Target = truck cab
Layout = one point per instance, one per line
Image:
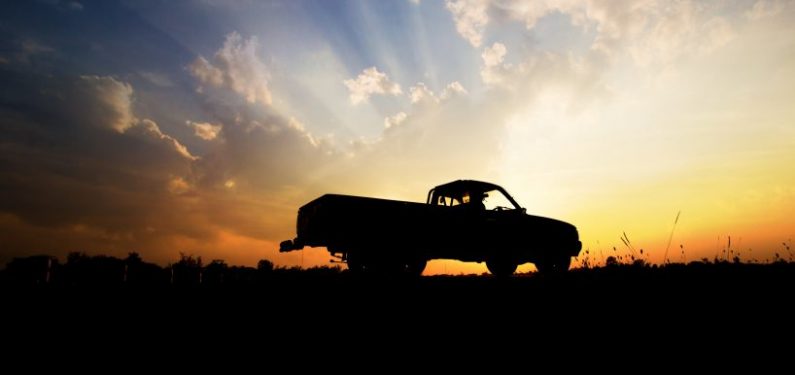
(477, 194)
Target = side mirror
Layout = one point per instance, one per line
(524, 210)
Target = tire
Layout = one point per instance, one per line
(554, 266)
(501, 268)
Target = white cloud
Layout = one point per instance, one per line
(262, 150)
(205, 130)
(470, 18)
(236, 67)
(150, 130)
(651, 32)
(395, 120)
(370, 81)
(420, 93)
(453, 89)
(657, 33)
(115, 97)
(531, 11)
(494, 55)
(763, 9)
(112, 108)
(495, 71)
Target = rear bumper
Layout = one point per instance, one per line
(290, 245)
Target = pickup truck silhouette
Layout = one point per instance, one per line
(467, 220)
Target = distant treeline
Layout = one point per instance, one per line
(81, 269)
(84, 270)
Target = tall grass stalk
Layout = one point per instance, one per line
(629, 246)
(671, 237)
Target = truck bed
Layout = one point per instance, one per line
(350, 221)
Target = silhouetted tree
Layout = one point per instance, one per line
(99, 270)
(139, 272)
(264, 270)
(264, 265)
(239, 275)
(214, 273)
(76, 269)
(187, 271)
(32, 270)
(106, 270)
(133, 258)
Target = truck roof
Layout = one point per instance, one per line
(459, 187)
(466, 185)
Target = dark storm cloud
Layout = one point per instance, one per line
(74, 153)
(82, 171)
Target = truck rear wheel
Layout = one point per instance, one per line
(501, 268)
(355, 263)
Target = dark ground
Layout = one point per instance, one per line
(624, 309)
(746, 305)
(676, 291)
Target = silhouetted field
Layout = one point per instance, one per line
(105, 300)
(190, 285)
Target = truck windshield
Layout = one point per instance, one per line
(495, 199)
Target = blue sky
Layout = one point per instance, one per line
(145, 40)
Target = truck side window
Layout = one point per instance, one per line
(442, 200)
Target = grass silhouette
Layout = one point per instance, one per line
(81, 270)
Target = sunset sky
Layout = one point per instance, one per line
(201, 126)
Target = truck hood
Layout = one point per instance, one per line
(553, 226)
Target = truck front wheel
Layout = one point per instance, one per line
(501, 268)
(415, 267)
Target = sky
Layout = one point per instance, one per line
(199, 127)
